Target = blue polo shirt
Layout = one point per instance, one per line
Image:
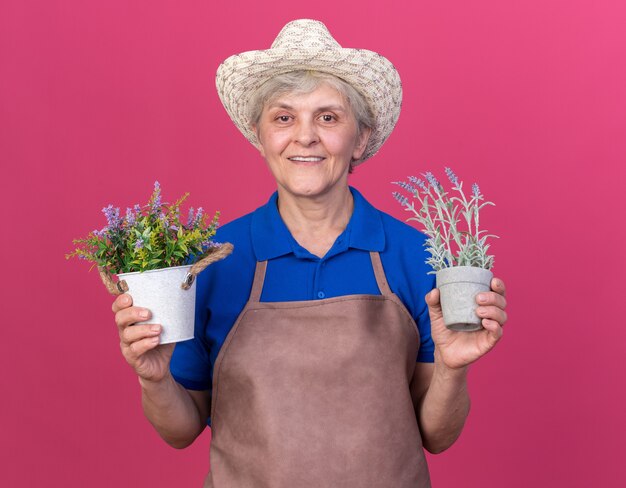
(293, 273)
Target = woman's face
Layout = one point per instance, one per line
(308, 141)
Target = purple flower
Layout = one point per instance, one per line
(131, 218)
(190, 218)
(431, 180)
(156, 198)
(139, 243)
(408, 187)
(418, 182)
(113, 216)
(452, 177)
(476, 190)
(401, 198)
(199, 214)
(206, 245)
(164, 221)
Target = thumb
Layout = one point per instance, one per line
(434, 306)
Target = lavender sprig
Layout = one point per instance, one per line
(450, 241)
(155, 201)
(190, 218)
(113, 217)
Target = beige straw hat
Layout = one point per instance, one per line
(307, 45)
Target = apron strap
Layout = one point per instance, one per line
(259, 279)
(379, 272)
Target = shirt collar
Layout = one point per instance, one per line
(271, 238)
(366, 225)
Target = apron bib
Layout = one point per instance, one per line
(316, 394)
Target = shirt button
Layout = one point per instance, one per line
(320, 294)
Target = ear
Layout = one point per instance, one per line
(361, 144)
(258, 145)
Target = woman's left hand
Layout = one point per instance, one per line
(459, 349)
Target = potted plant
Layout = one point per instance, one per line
(457, 246)
(156, 258)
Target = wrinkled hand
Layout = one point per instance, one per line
(459, 349)
(140, 343)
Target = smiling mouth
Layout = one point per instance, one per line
(308, 159)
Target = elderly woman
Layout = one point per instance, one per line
(320, 356)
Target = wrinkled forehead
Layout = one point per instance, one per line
(322, 97)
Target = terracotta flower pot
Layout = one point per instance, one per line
(160, 291)
(458, 287)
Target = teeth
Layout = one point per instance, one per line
(306, 160)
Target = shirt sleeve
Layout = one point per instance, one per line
(426, 353)
(222, 290)
(190, 365)
(408, 275)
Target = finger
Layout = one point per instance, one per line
(122, 301)
(498, 286)
(136, 349)
(493, 313)
(139, 332)
(494, 329)
(131, 315)
(491, 298)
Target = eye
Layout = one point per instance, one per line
(283, 118)
(328, 118)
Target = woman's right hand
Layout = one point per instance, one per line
(140, 343)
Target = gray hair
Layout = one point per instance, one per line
(306, 81)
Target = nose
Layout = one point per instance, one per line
(306, 133)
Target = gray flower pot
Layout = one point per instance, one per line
(160, 292)
(458, 287)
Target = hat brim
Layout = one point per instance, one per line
(371, 74)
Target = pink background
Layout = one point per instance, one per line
(99, 99)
